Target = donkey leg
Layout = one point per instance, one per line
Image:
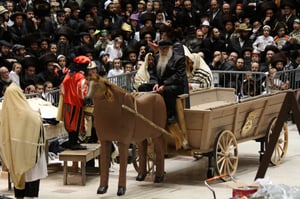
(159, 148)
(123, 168)
(142, 152)
(104, 168)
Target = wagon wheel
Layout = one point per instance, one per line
(150, 159)
(226, 154)
(281, 145)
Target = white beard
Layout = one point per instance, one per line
(162, 62)
(8, 80)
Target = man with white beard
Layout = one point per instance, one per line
(4, 80)
(167, 77)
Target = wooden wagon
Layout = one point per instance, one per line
(216, 122)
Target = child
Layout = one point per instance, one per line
(46, 95)
(264, 40)
(39, 88)
(15, 73)
(117, 68)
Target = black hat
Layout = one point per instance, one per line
(130, 49)
(41, 8)
(164, 43)
(272, 48)
(245, 49)
(17, 47)
(31, 38)
(227, 18)
(73, 5)
(84, 50)
(90, 4)
(60, 12)
(268, 5)
(83, 33)
(18, 13)
(147, 30)
(5, 43)
(66, 31)
(290, 3)
(147, 17)
(278, 57)
(46, 58)
(29, 61)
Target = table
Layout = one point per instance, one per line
(82, 156)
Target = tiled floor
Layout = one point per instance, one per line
(184, 177)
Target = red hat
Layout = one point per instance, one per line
(81, 59)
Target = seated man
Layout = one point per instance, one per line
(167, 77)
(198, 72)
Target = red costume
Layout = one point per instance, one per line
(74, 89)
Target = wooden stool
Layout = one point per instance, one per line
(82, 156)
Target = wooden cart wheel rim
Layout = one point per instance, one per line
(150, 160)
(226, 154)
(281, 145)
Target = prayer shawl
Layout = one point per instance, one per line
(201, 75)
(21, 136)
(142, 76)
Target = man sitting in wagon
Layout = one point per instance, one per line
(167, 77)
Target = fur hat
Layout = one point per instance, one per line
(147, 17)
(290, 3)
(41, 8)
(267, 5)
(29, 61)
(147, 30)
(46, 58)
(17, 13)
(66, 31)
(278, 57)
(272, 48)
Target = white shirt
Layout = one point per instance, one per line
(261, 42)
(14, 77)
(113, 52)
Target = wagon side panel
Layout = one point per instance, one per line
(197, 128)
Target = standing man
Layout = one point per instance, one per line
(168, 77)
(74, 89)
(22, 143)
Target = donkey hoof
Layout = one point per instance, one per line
(141, 177)
(102, 190)
(158, 179)
(121, 191)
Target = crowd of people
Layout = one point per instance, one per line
(173, 45)
(38, 38)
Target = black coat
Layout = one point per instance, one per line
(174, 73)
(234, 45)
(209, 47)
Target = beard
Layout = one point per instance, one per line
(6, 80)
(163, 61)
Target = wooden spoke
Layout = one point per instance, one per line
(226, 153)
(281, 145)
